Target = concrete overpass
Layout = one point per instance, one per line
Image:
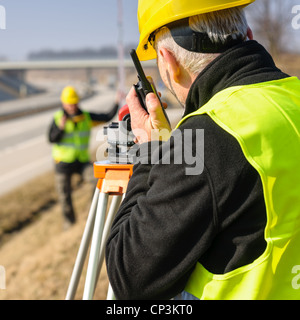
(13, 73)
(67, 64)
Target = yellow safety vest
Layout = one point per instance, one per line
(265, 120)
(75, 143)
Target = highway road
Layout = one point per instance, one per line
(25, 152)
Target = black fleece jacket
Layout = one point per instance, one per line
(169, 221)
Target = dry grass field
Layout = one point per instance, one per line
(38, 255)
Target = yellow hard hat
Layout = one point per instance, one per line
(69, 96)
(154, 14)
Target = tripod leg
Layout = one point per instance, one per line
(84, 245)
(95, 247)
(115, 204)
(116, 201)
(110, 294)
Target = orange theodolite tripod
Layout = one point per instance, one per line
(113, 177)
(113, 180)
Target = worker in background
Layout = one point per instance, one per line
(70, 135)
(231, 231)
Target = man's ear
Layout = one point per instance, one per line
(171, 64)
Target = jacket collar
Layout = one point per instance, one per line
(244, 64)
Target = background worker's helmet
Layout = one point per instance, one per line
(69, 96)
(154, 14)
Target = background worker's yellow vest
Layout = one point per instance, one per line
(75, 142)
(265, 120)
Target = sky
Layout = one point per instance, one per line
(33, 25)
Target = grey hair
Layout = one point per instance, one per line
(219, 25)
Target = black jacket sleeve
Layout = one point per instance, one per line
(104, 117)
(55, 134)
(147, 253)
(170, 220)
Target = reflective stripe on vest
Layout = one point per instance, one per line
(265, 120)
(75, 143)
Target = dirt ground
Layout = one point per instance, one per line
(39, 258)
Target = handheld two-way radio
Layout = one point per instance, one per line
(143, 87)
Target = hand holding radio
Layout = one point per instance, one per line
(149, 120)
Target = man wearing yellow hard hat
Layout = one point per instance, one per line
(231, 231)
(70, 135)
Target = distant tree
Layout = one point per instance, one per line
(271, 20)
